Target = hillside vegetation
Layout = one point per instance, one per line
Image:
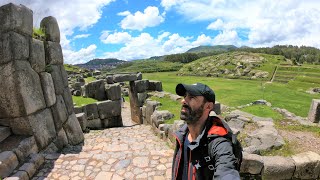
(234, 65)
(147, 66)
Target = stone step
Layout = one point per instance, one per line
(4, 133)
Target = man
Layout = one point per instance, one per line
(192, 139)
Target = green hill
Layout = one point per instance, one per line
(147, 66)
(209, 49)
(104, 61)
(234, 65)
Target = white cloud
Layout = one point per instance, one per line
(227, 38)
(115, 38)
(138, 21)
(145, 46)
(79, 36)
(268, 22)
(81, 56)
(124, 13)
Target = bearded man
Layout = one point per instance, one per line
(195, 156)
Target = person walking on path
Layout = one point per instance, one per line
(202, 149)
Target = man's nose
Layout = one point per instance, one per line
(183, 101)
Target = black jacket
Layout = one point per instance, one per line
(220, 151)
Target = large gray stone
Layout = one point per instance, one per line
(25, 148)
(314, 112)
(53, 53)
(277, 167)
(217, 108)
(51, 29)
(92, 111)
(60, 113)
(29, 168)
(73, 130)
(16, 18)
(155, 85)
(95, 90)
(141, 85)
(82, 118)
(142, 98)
(158, 117)
(67, 97)
(139, 76)
(57, 78)
(109, 108)
(64, 76)
(150, 108)
(21, 92)
(48, 88)
(113, 91)
(307, 165)
(115, 121)
(19, 175)
(109, 79)
(124, 77)
(94, 124)
(42, 126)
(8, 162)
(251, 163)
(13, 46)
(4, 133)
(37, 57)
(61, 140)
(21, 126)
(79, 109)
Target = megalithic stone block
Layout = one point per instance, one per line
(53, 53)
(48, 88)
(136, 113)
(16, 18)
(21, 93)
(13, 46)
(314, 112)
(9, 162)
(37, 56)
(113, 91)
(60, 113)
(51, 28)
(73, 130)
(55, 72)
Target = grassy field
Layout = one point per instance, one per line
(80, 101)
(235, 92)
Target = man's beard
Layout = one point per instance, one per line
(191, 116)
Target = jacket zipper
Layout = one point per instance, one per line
(177, 168)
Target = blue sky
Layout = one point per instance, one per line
(137, 29)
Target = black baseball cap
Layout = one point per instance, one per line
(197, 89)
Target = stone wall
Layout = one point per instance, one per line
(104, 114)
(35, 101)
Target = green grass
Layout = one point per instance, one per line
(286, 150)
(80, 101)
(262, 111)
(38, 33)
(71, 68)
(235, 92)
(170, 105)
(289, 125)
(89, 79)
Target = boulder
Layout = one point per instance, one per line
(175, 97)
(150, 108)
(9, 162)
(142, 98)
(67, 97)
(109, 109)
(92, 111)
(314, 112)
(73, 130)
(277, 167)
(307, 165)
(21, 92)
(82, 118)
(139, 76)
(155, 85)
(25, 148)
(59, 112)
(94, 124)
(53, 53)
(51, 29)
(124, 77)
(48, 88)
(55, 72)
(37, 57)
(17, 18)
(158, 117)
(61, 140)
(109, 79)
(251, 163)
(115, 121)
(113, 91)
(141, 85)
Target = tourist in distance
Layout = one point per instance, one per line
(205, 146)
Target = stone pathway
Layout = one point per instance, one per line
(130, 152)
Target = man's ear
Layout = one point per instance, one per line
(210, 106)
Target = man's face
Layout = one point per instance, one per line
(192, 108)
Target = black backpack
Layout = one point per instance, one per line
(207, 161)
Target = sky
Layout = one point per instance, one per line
(140, 29)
